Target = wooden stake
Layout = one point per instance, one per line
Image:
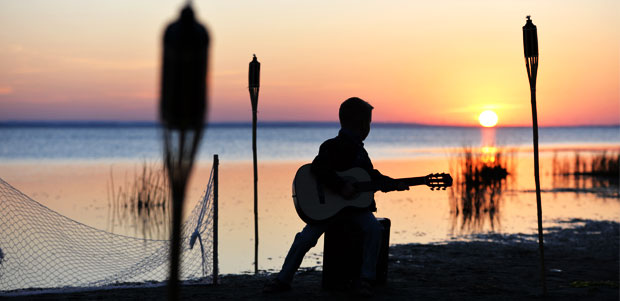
(216, 163)
(255, 192)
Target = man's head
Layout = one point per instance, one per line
(355, 115)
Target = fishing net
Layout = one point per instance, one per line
(40, 248)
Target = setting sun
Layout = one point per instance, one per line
(488, 118)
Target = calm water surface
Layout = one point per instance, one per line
(275, 141)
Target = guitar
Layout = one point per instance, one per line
(316, 203)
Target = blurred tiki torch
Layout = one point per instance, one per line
(253, 84)
(182, 113)
(530, 47)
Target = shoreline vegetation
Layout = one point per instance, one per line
(601, 164)
(587, 172)
(582, 262)
(480, 179)
(141, 202)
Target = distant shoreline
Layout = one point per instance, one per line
(233, 124)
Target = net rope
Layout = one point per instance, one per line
(40, 248)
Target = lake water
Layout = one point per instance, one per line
(68, 167)
(276, 141)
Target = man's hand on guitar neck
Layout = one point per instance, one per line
(393, 185)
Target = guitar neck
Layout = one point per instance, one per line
(378, 185)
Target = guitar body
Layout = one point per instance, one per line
(316, 203)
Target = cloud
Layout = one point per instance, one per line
(6, 90)
(109, 64)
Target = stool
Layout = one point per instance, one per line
(342, 255)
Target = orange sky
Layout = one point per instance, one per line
(434, 62)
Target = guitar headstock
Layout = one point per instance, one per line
(438, 181)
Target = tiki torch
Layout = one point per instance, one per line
(253, 85)
(530, 47)
(182, 114)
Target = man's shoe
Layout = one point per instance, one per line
(276, 286)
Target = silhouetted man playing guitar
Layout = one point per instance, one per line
(339, 154)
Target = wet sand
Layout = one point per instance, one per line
(581, 259)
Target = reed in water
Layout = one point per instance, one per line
(587, 172)
(480, 179)
(142, 202)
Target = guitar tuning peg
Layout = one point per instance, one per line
(444, 188)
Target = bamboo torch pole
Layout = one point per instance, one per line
(530, 46)
(254, 83)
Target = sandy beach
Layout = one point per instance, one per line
(582, 264)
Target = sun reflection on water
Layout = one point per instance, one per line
(488, 154)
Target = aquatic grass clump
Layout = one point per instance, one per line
(604, 165)
(142, 202)
(598, 164)
(480, 179)
(587, 172)
(483, 168)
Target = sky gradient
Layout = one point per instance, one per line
(440, 62)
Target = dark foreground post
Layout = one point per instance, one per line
(530, 46)
(182, 111)
(253, 84)
(216, 167)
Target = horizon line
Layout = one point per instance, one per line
(103, 123)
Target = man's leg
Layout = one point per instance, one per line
(304, 240)
(371, 229)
